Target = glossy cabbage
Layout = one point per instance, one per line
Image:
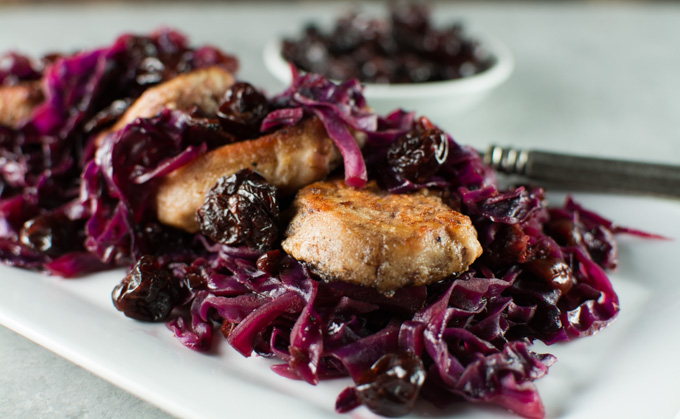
(541, 277)
(473, 332)
(48, 161)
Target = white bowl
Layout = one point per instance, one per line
(436, 100)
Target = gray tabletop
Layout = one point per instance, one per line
(602, 80)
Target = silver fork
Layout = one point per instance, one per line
(595, 174)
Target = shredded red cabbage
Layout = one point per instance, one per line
(541, 276)
(341, 108)
(472, 332)
(46, 163)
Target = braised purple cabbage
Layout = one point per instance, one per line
(46, 163)
(473, 332)
(69, 208)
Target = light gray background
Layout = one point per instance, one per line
(599, 79)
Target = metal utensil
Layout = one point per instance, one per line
(587, 172)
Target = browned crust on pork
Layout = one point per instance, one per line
(203, 89)
(372, 238)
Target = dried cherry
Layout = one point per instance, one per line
(241, 210)
(391, 386)
(156, 60)
(53, 234)
(147, 292)
(510, 245)
(553, 271)
(404, 48)
(417, 155)
(270, 262)
(243, 110)
(108, 116)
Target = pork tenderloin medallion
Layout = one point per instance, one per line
(203, 88)
(373, 238)
(288, 158)
(18, 102)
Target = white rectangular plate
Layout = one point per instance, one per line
(628, 370)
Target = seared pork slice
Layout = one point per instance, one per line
(18, 102)
(372, 238)
(289, 159)
(203, 88)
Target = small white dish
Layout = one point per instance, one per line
(433, 99)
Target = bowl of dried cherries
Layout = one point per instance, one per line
(403, 61)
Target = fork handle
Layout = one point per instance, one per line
(587, 172)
